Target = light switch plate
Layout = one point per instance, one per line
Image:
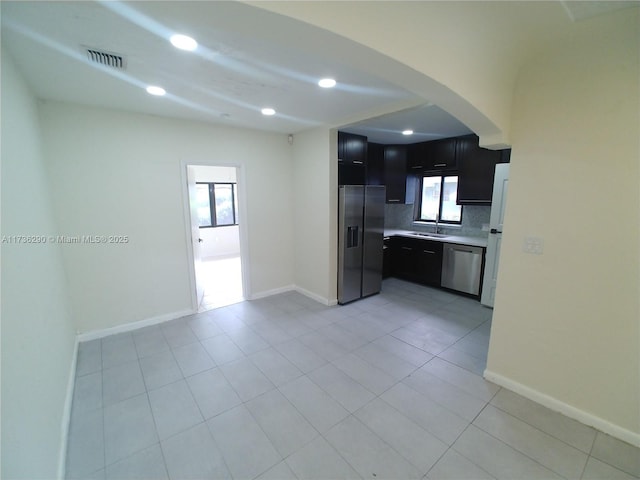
(533, 245)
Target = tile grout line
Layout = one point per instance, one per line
(338, 321)
(519, 451)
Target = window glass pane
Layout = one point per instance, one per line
(430, 203)
(450, 211)
(224, 204)
(202, 205)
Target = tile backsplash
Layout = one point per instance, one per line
(473, 218)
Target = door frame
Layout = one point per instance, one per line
(499, 200)
(242, 225)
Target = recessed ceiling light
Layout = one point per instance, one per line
(327, 83)
(183, 42)
(268, 111)
(157, 91)
(407, 132)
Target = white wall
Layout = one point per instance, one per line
(219, 241)
(315, 177)
(37, 331)
(207, 173)
(116, 173)
(566, 326)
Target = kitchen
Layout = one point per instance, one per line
(437, 205)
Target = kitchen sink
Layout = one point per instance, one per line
(432, 235)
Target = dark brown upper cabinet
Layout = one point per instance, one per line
(434, 155)
(352, 148)
(476, 169)
(352, 159)
(395, 172)
(375, 164)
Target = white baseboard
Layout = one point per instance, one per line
(290, 288)
(268, 293)
(316, 297)
(570, 411)
(312, 296)
(127, 327)
(65, 423)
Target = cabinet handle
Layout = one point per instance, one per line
(391, 200)
(417, 166)
(407, 248)
(430, 252)
(358, 162)
(440, 165)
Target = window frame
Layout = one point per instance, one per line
(212, 204)
(418, 203)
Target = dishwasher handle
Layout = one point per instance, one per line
(464, 250)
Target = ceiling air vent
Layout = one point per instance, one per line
(107, 59)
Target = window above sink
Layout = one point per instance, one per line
(437, 200)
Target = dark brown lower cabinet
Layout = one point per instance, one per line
(416, 260)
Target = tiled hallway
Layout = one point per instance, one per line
(387, 387)
(222, 280)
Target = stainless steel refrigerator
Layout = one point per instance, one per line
(360, 241)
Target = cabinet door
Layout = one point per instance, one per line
(476, 168)
(429, 262)
(352, 148)
(357, 149)
(351, 174)
(395, 172)
(352, 159)
(388, 261)
(375, 164)
(417, 260)
(440, 154)
(403, 256)
(416, 158)
(342, 140)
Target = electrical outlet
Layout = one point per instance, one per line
(533, 245)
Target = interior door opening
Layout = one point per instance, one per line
(215, 231)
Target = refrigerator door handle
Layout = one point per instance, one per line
(352, 236)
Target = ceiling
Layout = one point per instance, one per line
(247, 59)
(428, 122)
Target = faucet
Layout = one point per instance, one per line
(436, 224)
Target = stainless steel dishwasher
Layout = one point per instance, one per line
(461, 268)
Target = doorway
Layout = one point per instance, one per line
(215, 231)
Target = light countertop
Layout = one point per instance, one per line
(460, 240)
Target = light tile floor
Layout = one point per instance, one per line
(282, 387)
